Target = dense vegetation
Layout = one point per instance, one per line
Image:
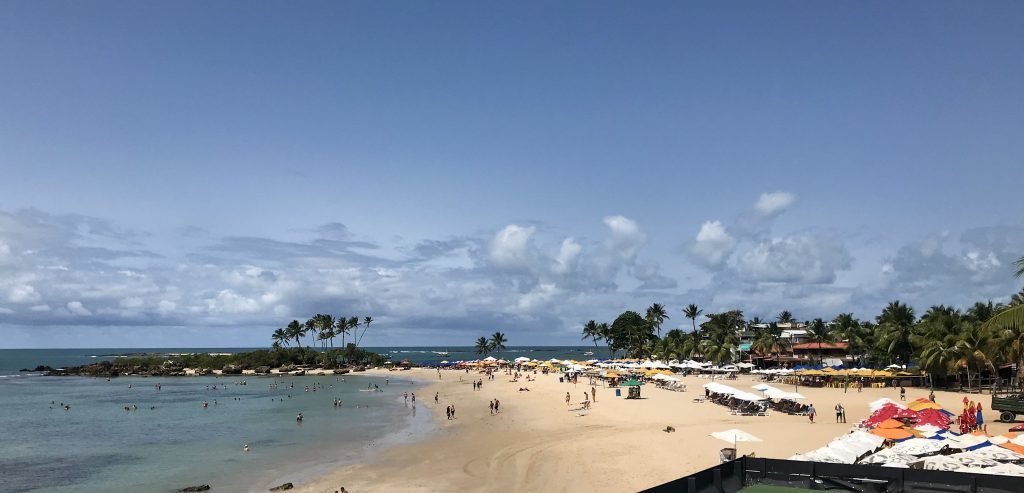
(277, 358)
(944, 341)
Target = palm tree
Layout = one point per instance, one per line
(353, 325)
(981, 311)
(341, 328)
(692, 312)
(592, 331)
(498, 341)
(977, 347)
(1017, 298)
(326, 324)
(720, 344)
(604, 333)
(677, 344)
(848, 329)
(755, 323)
(309, 327)
(656, 315)
(770, 341)
(786, 317)
(1007, 328)
(294, 330)
(482, 346)
(366, 325)
(280, 337)
(820, 333)
(897, 324)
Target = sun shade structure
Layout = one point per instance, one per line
(892, 433)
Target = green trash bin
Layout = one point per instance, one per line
(618, 392)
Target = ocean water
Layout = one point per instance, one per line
(170, 441)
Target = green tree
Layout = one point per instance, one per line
(341, 328)
(692, 312)
(848, 329)
(720, 343)
(980, 312)
(483, 346)
(631, 332)
(656, 316)
(897, 325)
(280, 337)
(770, 341)
(294, 330)
(592, 331)
(785, 317)
(353, 325)
(366, 325)
(604, 332)
(498, 341)
(820, 333)
(1007, 329)
(309, 327)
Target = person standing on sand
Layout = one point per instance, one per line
(593, 393)
(840, 414)
(903, 393)
(435, 397)
(453, 411)
(491, 406)
(567, 398)
(811, 412)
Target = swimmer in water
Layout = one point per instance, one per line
(245, 448)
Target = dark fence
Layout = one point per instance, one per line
(731, 477)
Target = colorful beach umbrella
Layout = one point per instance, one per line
(892, 433)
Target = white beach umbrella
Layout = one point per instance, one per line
(490, 358)
(734, 435)
(522, 359)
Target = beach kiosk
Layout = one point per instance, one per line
(632, 388)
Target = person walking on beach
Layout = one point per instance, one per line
(491, 406)
(448, 412)
(453, 411)
(593, 393)
(405, 395)
(435, 397)
(840, 418)
(567, 398)
(903, 393)
(414, 398)
(811, 412)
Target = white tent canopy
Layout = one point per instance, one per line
(734, 435)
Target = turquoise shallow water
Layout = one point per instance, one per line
(98, 446)
(171, 441)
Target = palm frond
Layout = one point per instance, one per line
(1011, 317)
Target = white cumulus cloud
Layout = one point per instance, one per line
(567, 255)
(773, 203)
(713, 244)
(511, 246)
(77, 308)
(626, 236)
(798, 258)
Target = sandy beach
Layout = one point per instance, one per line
(537, 443)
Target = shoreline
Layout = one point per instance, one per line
(537, 443)
(309, 468)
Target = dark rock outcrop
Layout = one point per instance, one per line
(202, 487)
(283, 487)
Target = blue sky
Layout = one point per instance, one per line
(199, 173)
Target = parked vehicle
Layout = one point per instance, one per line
(1008, 406)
